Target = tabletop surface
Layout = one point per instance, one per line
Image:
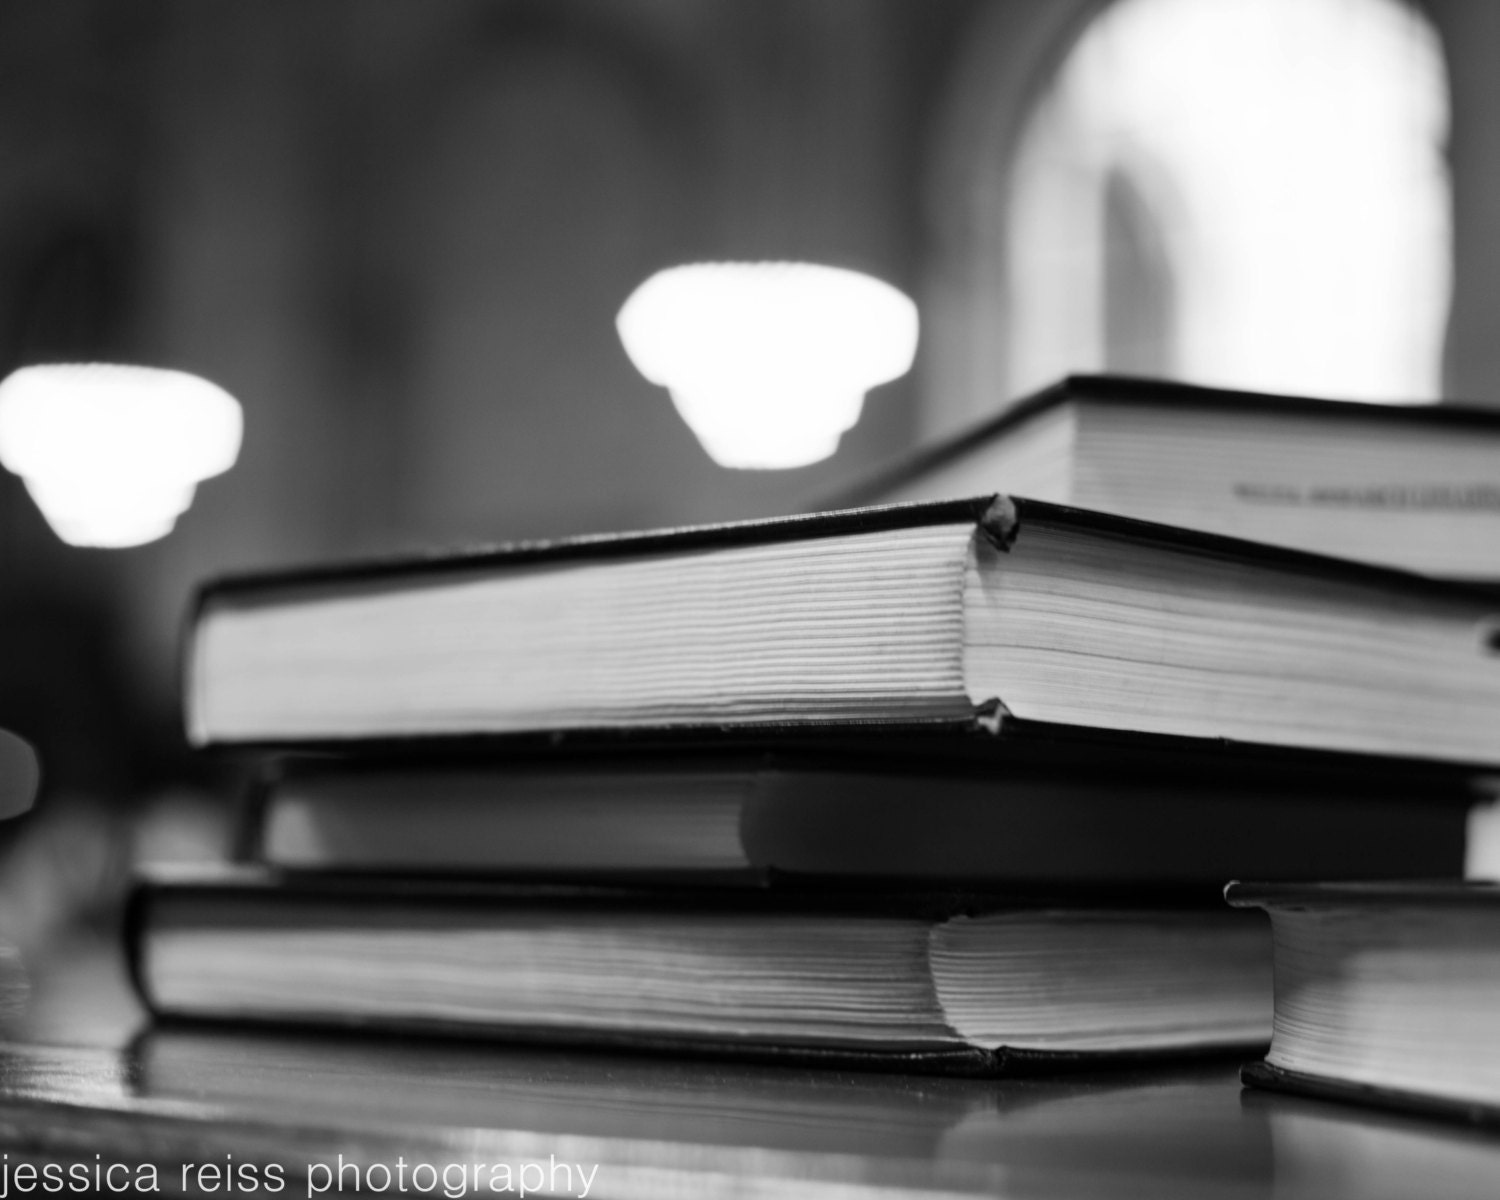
(86, 1079)
(650, 1126)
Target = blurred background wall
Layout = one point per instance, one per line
(399, 232)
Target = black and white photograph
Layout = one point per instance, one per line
(729, 599)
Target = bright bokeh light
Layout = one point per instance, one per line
(768, 363)
(111, 454)
(1291, 156)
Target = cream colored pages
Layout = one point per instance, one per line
(1421, 496)
(865, 626)
(1161, 637)
(1391, 997)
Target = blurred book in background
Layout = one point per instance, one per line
(1415, 486)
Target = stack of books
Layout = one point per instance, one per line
(946, 783)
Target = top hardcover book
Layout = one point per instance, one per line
(972, 615)
(1402, 485)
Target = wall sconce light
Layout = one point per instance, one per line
(111, 454)
(20, 773)
(768, 363)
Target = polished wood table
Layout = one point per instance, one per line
(298, 1106)
(307, 1105)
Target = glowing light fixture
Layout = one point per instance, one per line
(768, 363)
(111, 454)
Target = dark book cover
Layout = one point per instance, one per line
(999, 518)
(1384, 894)
(1318, 1087)
(883, 819)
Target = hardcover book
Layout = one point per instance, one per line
(961, 983)
(856, 817)
(968, 616)
(1415, 486)
(1386, 994)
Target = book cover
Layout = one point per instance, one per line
(979, 616)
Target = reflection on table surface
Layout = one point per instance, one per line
(83, 1074)
(661, 1126)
